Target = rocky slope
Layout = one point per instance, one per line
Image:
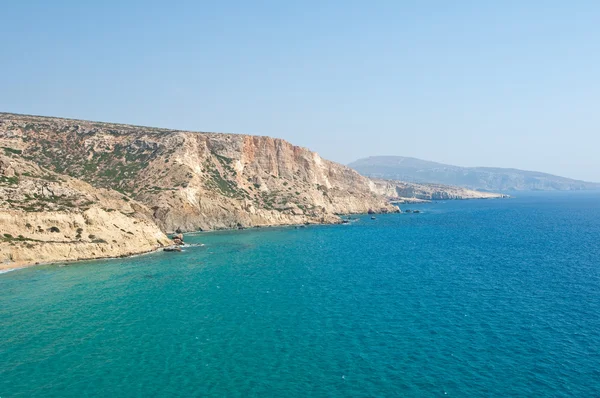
(46, 217)
(408, 192)
(191, 180)
(479, 178)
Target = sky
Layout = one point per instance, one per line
(471, 83)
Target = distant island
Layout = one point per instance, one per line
(478, 178)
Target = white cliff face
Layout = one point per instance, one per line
(192, 181)
(43, 237)
(400, 191)
(228, 181)
(45, 217)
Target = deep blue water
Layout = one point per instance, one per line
(473, 298)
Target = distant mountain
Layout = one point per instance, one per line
(479, 178)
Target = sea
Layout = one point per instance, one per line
(481, 298)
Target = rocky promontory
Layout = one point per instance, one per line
(408, 192)
(113, 189)
(192, 180)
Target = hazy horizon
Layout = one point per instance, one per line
(466, 166)
(496, 85)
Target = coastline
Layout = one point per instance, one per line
(5, 269)
(403, 200)
(164, 301)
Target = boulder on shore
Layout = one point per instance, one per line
(178, 239)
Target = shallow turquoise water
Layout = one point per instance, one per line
(477, 298)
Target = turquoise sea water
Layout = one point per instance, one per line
(474, 298)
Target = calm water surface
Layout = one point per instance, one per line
(473, 298)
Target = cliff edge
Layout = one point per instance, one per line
(196, 181)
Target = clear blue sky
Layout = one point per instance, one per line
(495, 83)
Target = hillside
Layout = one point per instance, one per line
(478, 178)
(195, 181)
(46, 217)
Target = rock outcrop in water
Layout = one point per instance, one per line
(191, 181)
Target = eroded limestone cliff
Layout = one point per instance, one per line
(191, 180)
(46, 217)
(406, 192)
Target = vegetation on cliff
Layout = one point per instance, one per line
(192, 181)
(46, 217)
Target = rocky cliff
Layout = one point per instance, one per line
(46, 217)
(190, 180)
(407, 192)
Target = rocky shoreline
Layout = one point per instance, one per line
(73, 190)
(4, 268)
(174, 244)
